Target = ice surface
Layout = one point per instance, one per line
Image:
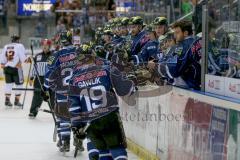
(22, 138)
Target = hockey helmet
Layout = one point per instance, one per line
(149, 28)
(66, 38)
(15, 38)
(125, 21)
(160, 21)
(108, 32)
(137, 20)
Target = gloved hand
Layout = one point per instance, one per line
(79, 133)
(45, 95)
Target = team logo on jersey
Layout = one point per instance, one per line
(179, 50)
(151, 47)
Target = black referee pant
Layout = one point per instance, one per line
(37, 98)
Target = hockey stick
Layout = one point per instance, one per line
(83, 130)
(49, 103)
(26, 89)
(25, 92)
(45, 110)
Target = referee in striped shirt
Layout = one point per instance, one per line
(41, 64)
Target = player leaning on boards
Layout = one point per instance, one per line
(93, 91)
(12, 57)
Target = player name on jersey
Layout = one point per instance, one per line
(90, 75)
(89, 82)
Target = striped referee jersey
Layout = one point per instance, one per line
(41, 60)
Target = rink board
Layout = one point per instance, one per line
(182, 125)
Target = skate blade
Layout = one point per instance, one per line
(17, 107)
(31, 117)
(8, 107)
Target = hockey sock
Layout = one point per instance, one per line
(7, 98)
(64, 129)
(93, 153)
(17, 98)
(119, 153)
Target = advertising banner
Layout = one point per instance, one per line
(33, 7)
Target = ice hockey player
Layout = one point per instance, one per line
(108, 45)
(92, 94)
(12, 58)
(138, 34)
(168, 43)
(117, 38)
(151, 50)
(161, 26)
(184, 64)
(123, 27)
(60, 66)
(41, 65)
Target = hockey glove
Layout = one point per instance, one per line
(45, 95)
(79, 133)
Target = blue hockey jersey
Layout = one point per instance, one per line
(138, 42)
(117, 39)
(92, 92)
(149, 51)
(184, 62)
(60, 69)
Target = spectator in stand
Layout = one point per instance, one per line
(40, 29)
(110, 16)
(186, 7)
(67, 19)
(111, 5)
(60, 26)
(56, 6)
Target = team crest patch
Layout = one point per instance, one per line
(179, 50)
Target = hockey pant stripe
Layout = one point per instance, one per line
(105, 155)
(63, 129)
